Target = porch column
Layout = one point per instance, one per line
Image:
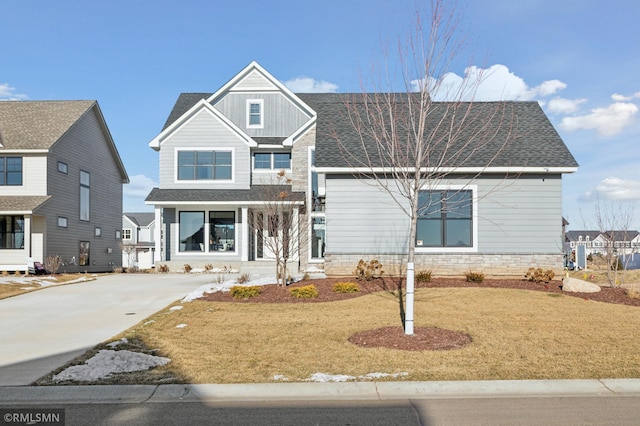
(157, 235)
(26, 239)
(244, 255)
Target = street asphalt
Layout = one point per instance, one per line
(42, 330)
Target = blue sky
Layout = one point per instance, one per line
(579, 58)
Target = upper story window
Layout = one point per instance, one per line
(255, 113)
(85, 195)
(63, 167)
(11, 171)
(204, 165)
(272, 160)
(126, 234)
(445, 219)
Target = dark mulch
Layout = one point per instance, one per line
(424, 338)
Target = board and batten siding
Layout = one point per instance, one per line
(84, 147)
(281, 116)
(207, 132)
(513, 216)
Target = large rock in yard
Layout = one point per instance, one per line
(575, 285)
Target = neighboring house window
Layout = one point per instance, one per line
(272, 160)
(204, 165)
(191, 231)
(318, 237)
(83, 258)
(126, 234)
(62, 222)
(222, 231)
(98, 232)
(445, 219)
(118, 234)
(11, 232)
(10, 171)
(85, 196)
(63, 168)
(255, 113)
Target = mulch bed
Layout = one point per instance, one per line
(424, 338)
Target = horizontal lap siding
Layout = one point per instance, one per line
(204, 131)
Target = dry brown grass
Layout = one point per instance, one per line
(598, 275)
(516, 335)
(14, 289)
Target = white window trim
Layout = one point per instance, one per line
(249, 103)
(124, 233)
(271, 168)
(474, 221)
(313, 214)
(205, 181)
(207, 231)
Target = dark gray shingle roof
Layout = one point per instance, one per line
(533, 142)
(141, 219)
(257, 193)
(184, 102)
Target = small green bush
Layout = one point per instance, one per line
(474, 277)
(539, 275)
(423, 277)
(244, 292)
(368, 270)
(304, 292)
(345, 287)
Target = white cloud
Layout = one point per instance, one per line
(608, 121)
(138, 186)
(309, 85)
(491, 84)
(615, 189)
(8, 93)
(564, 106)
(622, 98)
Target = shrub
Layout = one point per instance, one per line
(208, 267)
(368, 270)
(304, 292)
(5, 273)
(306, 277)
(244, 292)
(187, 268)
(244, 278)
(539, 275)
(474, 277)
(345, 287)
(52, 264)
(423, 277)
(163, 268)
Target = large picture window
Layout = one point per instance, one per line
(445, 219)
(11, 232)
(204, 165)
(222, 231)
(10, 171)
(191, 231)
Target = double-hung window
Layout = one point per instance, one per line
(10, 171)
(204, 165)
(255, 113)
(445, 219)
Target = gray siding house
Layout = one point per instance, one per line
(60, 186)
(254, 126)
(138, 230)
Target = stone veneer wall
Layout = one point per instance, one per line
(512, 264)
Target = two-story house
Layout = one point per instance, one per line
(137, 240)
(61, 183)
(218, 153)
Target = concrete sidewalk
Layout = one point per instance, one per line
(42, 330)
(33, 395)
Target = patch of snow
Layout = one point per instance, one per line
(107, 362)
(280, 377)
(181, 325)
(325, 378)
(225, 286)
(314, 270)
(118, 342)
(175, 308)
(149, 322)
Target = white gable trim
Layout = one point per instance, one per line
(189, 115)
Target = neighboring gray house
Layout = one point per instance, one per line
(218, 149)
(61, 183)
(138, 245)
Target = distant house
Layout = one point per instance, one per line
(138, 245)
(609, 242)
(61, 183)
(218, 150)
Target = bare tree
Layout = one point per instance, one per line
(410, 144)
(130, 251)
(614, 220)
(280, 229)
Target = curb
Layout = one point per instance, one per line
(11, 395)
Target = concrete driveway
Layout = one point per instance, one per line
(40, 331)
